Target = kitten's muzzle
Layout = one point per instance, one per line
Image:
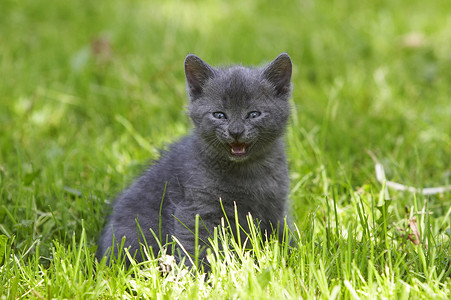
(236, 131)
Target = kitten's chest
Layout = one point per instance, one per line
(256, 193)
(255, 180)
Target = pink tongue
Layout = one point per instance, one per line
(238, 149)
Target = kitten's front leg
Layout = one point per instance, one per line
(185, 233)
(184, 225)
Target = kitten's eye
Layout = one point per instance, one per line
(219, 115)
(253, 114)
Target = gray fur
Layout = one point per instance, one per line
(201, 169)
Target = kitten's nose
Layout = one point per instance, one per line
(236, 131)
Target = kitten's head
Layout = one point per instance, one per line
(239, 112)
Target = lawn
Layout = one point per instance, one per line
(90, 91)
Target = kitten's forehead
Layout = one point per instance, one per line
(236, 84)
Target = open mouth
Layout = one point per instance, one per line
(238, 149)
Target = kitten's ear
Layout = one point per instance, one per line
(278, 72)
(197, 72)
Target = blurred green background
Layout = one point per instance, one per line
(90, 90)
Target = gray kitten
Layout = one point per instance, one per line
(235, 154)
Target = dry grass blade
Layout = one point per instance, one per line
(380, 176)
(414, 237)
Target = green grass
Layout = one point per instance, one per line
(90, 91)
